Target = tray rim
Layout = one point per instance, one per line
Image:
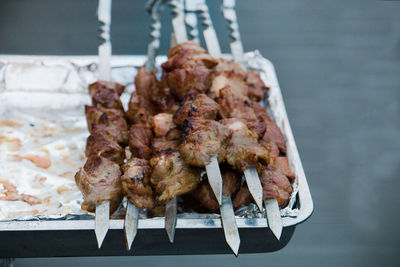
(306, 206)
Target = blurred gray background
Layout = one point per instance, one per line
(338, 63)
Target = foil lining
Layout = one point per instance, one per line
(43, 133)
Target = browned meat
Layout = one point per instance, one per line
(139, 141)
(109, 121)
(99, 181)
(171, 176)
(107, 98)
(230, 80)
(101, 85)
(203, 139)
(152, 90)
(99, 144)
(243, 148)
(140, 110)
(275, 185)
(136, 183)
(162, 124)
(272, 133)
(273, 151)
(196, 105)
(255, 85)
(145, 83)
(231, 184)
(160, 144)
(282, 164)
(242, 198)
(189, 68)
(239, 107)
(229, 65)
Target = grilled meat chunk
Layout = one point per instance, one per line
(196, 105)
(229, 66)
(140, 110)
(107, 98)
(255, 86)
(230, 80)
(101, 85)
(231, 184)
(243, 148)
(171, 176)
(282, 165)
(160, 144)
(189, 68)
(139, 141)
(155, 92)
(242, 198)
(100, 144)
(272, 133)
(136, 183)
(203, 139)
(239, 107)
(275, 186)
(109, 121)
(162, 123)
(99, 181)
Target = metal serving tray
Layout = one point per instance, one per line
(52, 237)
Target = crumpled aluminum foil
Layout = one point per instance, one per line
(43, 133)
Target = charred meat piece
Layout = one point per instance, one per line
(136, 183)
(148, 87)
(189, 68)
(275, 186)
(107, 98)
(140, 140)
(255, 85)
(242, 198)
(231, 184)
(273, 151)
(101, 85)
(282, 165)
(145, 83)
(196, 105)
(99, 181)
(110, 121)
(272, 133)
(239, 107)
(140, 110)
(243, 148)
(229, 65)
(161, 124)
(171, 176)
(232, 81)
(203, 139)
(160, 144)
(100, 144)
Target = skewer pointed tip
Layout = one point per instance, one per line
(131, 224)
(215, 178)
(102, 221)
(170, 218)
(254, 184)
(229, 224)
(274, 217)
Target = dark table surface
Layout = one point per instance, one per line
(338, 63)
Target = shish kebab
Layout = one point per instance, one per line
(99, 180)
(271, 204)
(135, 181)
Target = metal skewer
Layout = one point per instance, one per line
(271, 205)
(191, 19)
(132, 212)
(231, 231)
(102, 220)
(179, 36)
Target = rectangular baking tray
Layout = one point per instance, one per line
(58, 238)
